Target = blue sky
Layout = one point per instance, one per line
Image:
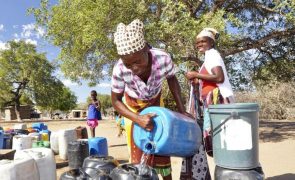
(15, 24)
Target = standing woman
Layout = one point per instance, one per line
(213, 87)
(138, 77)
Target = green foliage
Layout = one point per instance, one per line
(83, 30)
(26, 77)
(26, 100)
(253, 34)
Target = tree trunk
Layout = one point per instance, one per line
(17, 111)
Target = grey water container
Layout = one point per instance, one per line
(235, 135)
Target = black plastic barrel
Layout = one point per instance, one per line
(80, 174)
(77, 152)
(96, 174)
(134, 172)
(76, 174)
(104, 164)
(221, 173)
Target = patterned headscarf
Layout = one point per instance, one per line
(129, 39)
(209, 32)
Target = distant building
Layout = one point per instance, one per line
(78, 114)
(25, 112)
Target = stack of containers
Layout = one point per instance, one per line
(44, 135)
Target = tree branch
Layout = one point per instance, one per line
(193, 7)
(237, 7)
(248, 43)
(217, 5)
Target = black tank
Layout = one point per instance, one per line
(80, 174)
(237, 174)
(134, 172)
(76, 174)
(77, 152)
(104, 164)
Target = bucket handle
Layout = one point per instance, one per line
(233, 115)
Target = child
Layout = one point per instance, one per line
(120, 123)
(93, 113)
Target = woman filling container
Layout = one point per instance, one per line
(136, 84)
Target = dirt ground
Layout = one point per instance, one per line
(276, 146)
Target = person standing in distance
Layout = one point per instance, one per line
(93, 113)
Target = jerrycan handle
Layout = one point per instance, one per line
(233, 115)
(150, 135)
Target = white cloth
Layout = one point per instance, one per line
(129, 39)
(208, 32)
(213, 59)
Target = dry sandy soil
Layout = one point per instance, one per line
(276, 146)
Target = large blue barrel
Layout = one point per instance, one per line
(7, 143)
(1, 139)
(173, 134)
(235, 135)
(98, 146)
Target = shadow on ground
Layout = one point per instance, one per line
(276, 131)
(288, 176)
(117, 145)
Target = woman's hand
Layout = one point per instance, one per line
(145, 121)
(190, 75)
(195, 81)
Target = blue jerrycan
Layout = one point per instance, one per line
(174, 134)
(98, 146)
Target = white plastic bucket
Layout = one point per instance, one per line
(20, 142)
(65, 136)
(44, 159)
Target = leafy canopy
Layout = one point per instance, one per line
(26, 76)
(252, 32)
